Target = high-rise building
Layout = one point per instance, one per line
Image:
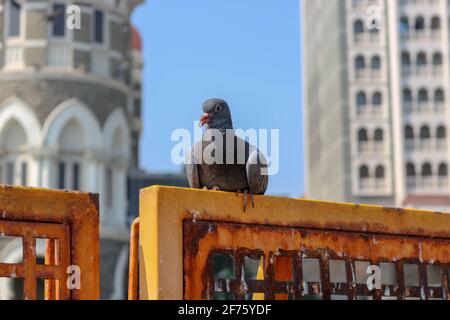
(70, 113)
(377, 82)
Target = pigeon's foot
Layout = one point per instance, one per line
(247, 194)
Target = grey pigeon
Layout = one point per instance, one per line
(242, 168)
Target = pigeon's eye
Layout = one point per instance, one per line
(218, 108)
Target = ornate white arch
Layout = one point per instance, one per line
(117, 120)
(15, 109)
(72, 109)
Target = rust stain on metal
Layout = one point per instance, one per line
(283, 251)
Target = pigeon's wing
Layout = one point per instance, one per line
(192, 170)
(257, 172)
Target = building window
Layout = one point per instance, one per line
(420, 24)
(363, 172)
(59, 19)
(358, 29)
(24, 174)
(109, 187)
(362, 136)
(443, 170)
(406, 60)
(376, 63)
(425, 133)
(437, 59)
(14, 19)
(421, 59)
(404, 25)
(426, 170)
(361, 99)
(439, 96)
(407, 96)
(377, 99)
(410, 170)
(379, 172)
(98, 26)
(378, 135)
(61, 175)
(10, 173)
(76, 176)
(435, 24)
(409, 132)
(441, 132)
(423, 96)
(359, 63)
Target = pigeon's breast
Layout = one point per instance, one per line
(225, 177)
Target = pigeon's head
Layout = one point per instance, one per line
(216, 115)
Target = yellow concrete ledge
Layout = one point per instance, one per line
(163, 210)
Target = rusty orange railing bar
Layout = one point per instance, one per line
(133, 278)
(70, 223)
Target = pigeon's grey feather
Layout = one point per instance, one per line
(241, 168)
(192, 171)
(257, 175)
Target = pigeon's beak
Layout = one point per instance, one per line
(205, 118)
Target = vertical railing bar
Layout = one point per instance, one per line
(445, 282)
(133, 277)
(325, 275)
(59, 294)
(210, 277)
(270, 277)
(238, 275)
(29, 261)
(423, 282)
(351, 279)
(50, 256)
(63, 260)
(401, 294)
(297, 271)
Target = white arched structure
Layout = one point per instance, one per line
(20, 134)
(72, 137)
(62, 114)
(117, 142)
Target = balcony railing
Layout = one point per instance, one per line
(371, 147)
(422, 70)
(416, 107)
(427, 183)
(372, 184)
(14, 57)
(368, 73)
(420, 35)
(432, 144)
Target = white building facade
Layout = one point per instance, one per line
(68, 110)
(377, 84)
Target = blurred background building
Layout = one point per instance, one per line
(376, 101)
(70, 113)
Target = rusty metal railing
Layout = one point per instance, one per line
(133, 269)
(69, 222)
(198, 244)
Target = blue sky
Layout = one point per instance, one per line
(244, 51)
